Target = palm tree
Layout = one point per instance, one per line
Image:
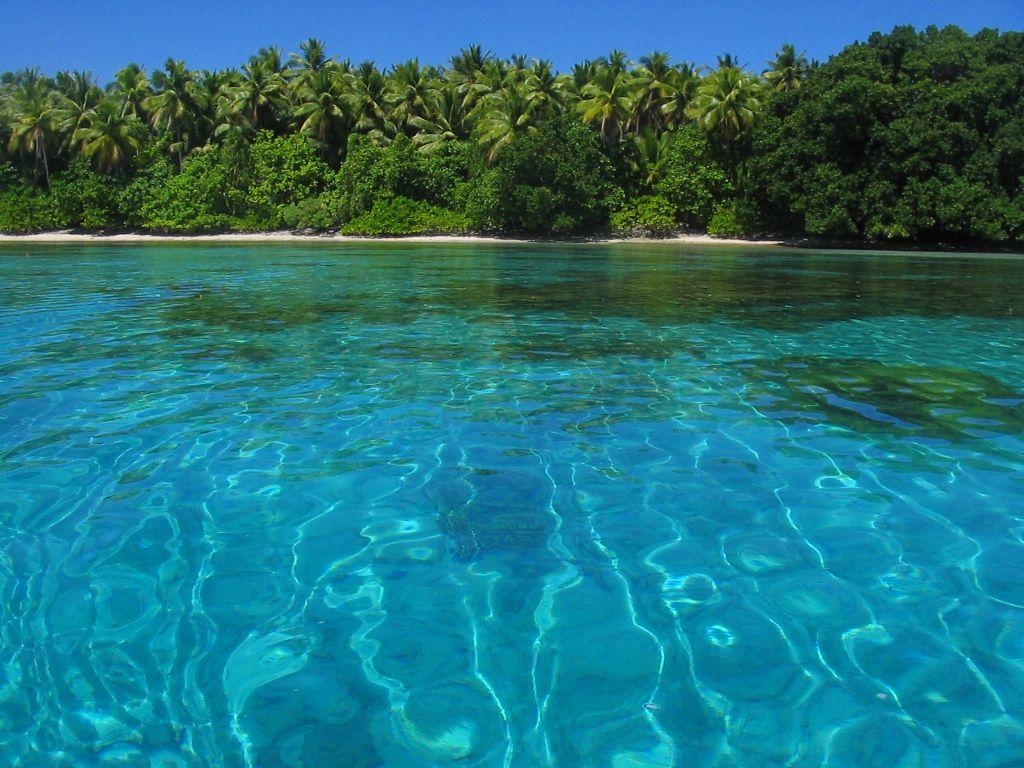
(606, 99)
(492, 76)
(408, 93)
(271, 60)
(447, 121)
(652, 153)
(34, 123)
(313, 58)
(77, 94)
(256, 100)
(727, 61)
(108, 137)
(617, 62)
(209, 120)
(175, 106)
(326, 111)
(502, 116)
(787, 69)
(727, 102)
(519, 64)
(683, 81)
(131, 88)
(582, 74)
(546, 90)
(465, 73)
(371, 91)
(468, 62)
(651, 85)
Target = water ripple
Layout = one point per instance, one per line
(509, 506)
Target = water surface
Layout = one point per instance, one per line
(512, 506)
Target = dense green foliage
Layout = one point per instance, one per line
(551, 180)
(907, 136)
(913, 136)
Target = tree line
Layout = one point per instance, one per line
(909, 136)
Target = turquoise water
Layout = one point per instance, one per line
(510, 506)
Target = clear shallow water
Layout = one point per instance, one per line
(510, 506)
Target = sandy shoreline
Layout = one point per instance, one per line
(288, 237)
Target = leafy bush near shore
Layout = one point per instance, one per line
(693, 179)
(551, 181)
(82, 198)
(648, 216)
(23, 208)
(321, 213)
(201, 198)
(734, 218)
(278, 172)
(402, 216)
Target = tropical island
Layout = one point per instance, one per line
(909, 137)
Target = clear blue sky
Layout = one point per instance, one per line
(104, 35)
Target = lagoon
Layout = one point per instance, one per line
(510, 505)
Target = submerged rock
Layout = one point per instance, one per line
(869, 396)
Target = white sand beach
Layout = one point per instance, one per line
(285, 237)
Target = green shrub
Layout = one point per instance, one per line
(554, 180)
(199, 199)
(321, 212)
(647, 216)
(81, 197)
(733, 219)
(281, 172)
(693, 180)
(373, 174)
(25, 209)
(402, 216)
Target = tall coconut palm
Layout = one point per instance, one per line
(469, 61)
(77, 94)
(131, 88)
(34, 123)
(606, 100)
(727, 102)
(210, 119)
(652, 154)
(652, 86)
(501, 117)
(271, 59)
(546, 91)
(108, 137)
(728, 61)
(257, 100)
(683, 81)
(371, 90)
(787, 69)
(582, 74)
(313, 58)
(617, 62)
(446, 121)
(494, 75)
(465, 72)
(408, 94)
(176, 106)
(326, 111)
(519, 65)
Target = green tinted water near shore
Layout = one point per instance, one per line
(496, 505)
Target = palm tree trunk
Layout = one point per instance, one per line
(41, 154)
